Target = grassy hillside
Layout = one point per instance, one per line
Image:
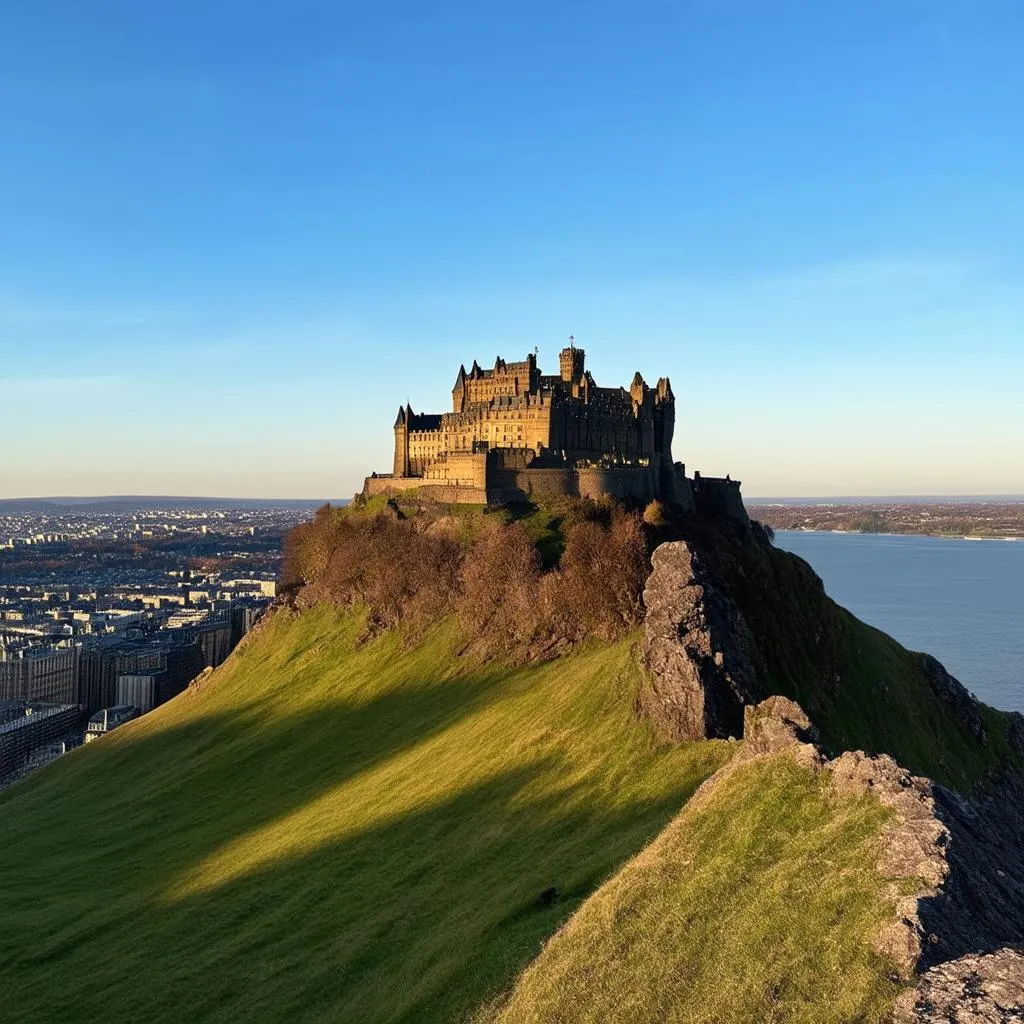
(329, 832)
(340, 829)
(758, 904)
(861, 688)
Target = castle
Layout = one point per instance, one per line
(514, 433)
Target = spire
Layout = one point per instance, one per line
(400, 419)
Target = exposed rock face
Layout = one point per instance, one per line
(725, 616)
(694, 651)
(955, 869)
(777, 723)
(953, 693)
(913, 848)
(981, 906)
(972, 990)
(1017, 731)
(912, 852)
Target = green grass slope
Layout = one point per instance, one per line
(758, 904)
(327, 831)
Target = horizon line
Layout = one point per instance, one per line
(752, 499)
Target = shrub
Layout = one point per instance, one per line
(419, 569)
(654, 514)
(500, 587)
(395, 570)
(597, 589)
(308, 548)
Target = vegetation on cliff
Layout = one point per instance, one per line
(525, 581)
(534, 581)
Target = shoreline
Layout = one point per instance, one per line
(893, 533)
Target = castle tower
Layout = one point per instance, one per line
(570, 363)
(637, 391)
(664, 417)
(402, 441)
(459, 391)
(534, 374)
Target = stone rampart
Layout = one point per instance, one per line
(436, 491)
(718, 497)
(503, 484)
(627, 483)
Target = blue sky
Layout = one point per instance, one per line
(235, 236)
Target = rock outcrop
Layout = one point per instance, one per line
(976, 989)
(953, 869)
(731, 620)
(912, 852)
(954, 694)
(981, 906)
(700, 674)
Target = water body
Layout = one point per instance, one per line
(960, 600)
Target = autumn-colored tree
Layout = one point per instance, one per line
(500, 587)
(597, 589)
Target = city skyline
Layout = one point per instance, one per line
(237, 239)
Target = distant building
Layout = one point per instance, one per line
(39, 674)
(179, 665)
(109, 719)
(515, 434)
(104, 659)
(139, 689)
(514, 431)
(32, 727)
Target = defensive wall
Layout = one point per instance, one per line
(447, 493)
(719, 497)
(503, 477)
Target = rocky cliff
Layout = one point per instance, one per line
(730, 621)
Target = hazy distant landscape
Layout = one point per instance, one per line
(940, 518)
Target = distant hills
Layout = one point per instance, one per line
(128, 502)
(887, 499)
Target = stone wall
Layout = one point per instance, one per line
(717, 497)
(458, 469)
(516, 423)
(456, 495)
(628, 483)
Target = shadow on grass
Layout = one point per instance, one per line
(225, 774)
(416, 919)
(420, 919)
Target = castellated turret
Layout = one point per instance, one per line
(512, 430)
(570, 363)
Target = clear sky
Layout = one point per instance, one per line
(235, 236)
